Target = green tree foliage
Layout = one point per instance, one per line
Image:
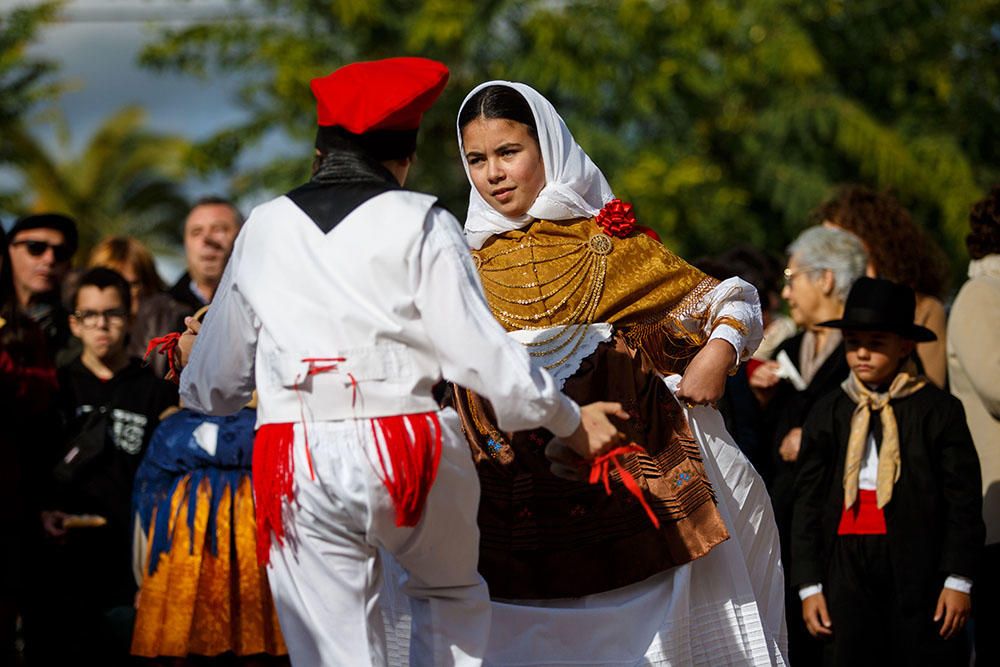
(24, 81)
(125, 180)
(724, 121)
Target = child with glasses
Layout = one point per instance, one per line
(111, 405)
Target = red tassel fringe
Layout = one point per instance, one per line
(414, 461)
(412, 445)
(600, 473)
(273, 475)
(166, 345)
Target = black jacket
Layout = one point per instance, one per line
(934, 520)
(181, 292)
(135, 398)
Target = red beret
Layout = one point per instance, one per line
(390, 94)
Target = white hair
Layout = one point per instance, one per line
(832, 249)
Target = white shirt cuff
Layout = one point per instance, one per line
(566, 418)
(810, 590)
(959, 583)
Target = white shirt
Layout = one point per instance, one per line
(390, 292)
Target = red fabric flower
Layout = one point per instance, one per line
(616, 218)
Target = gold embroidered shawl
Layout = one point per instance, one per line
(571, 273)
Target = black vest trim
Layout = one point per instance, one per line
(327, 204)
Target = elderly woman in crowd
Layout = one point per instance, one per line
(898, 249)
(155, 313)
(974, 371)
(823, 263)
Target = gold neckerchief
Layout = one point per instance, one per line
(571, 273)
(906, 382)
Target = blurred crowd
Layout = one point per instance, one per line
(91, 507)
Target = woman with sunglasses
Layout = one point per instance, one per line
(41, 247)
(29, 434)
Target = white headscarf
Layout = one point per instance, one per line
(574, 186)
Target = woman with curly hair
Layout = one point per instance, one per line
(898, 249)
(974, 369)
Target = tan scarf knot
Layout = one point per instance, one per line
(906, 382)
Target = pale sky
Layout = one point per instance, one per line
(96, 45)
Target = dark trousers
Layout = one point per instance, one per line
(986, 608)
(870, 624)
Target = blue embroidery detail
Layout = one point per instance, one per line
(681, 478)
(493, 446)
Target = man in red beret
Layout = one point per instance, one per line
(345, 301)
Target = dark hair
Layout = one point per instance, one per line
(102, 277)
(216, 200)
(984, 223)
(498, 102)
(899, 248)
(753, 265)
(344, 157)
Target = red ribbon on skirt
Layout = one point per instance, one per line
(600, 473)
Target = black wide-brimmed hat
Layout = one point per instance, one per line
(875, 304)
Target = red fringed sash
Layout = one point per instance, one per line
(273, 476)
(600, 471)
(413, 445)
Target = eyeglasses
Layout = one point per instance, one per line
(60, 252)
(789, 275)
(90, 318)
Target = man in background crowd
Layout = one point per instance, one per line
(209, 232)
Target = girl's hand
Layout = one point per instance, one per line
(704, 381)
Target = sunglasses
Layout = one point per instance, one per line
(60, 252)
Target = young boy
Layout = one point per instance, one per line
(887, 526)
(111, 404)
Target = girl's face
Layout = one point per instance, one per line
(505, 163)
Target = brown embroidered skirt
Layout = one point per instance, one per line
(544, 537)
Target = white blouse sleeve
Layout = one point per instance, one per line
(219, 376)
(733, 314)
(473, 349)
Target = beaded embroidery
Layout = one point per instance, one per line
(584, 277)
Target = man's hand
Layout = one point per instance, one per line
(954, 607)
(790, 445)
(596, 434)
(52, 522)
(815, 615)
(187, 341)
(704, 381)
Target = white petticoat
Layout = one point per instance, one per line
(726, 608)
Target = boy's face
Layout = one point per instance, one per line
(875, 356)
(100, 320)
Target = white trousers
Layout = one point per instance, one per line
(327, 577)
